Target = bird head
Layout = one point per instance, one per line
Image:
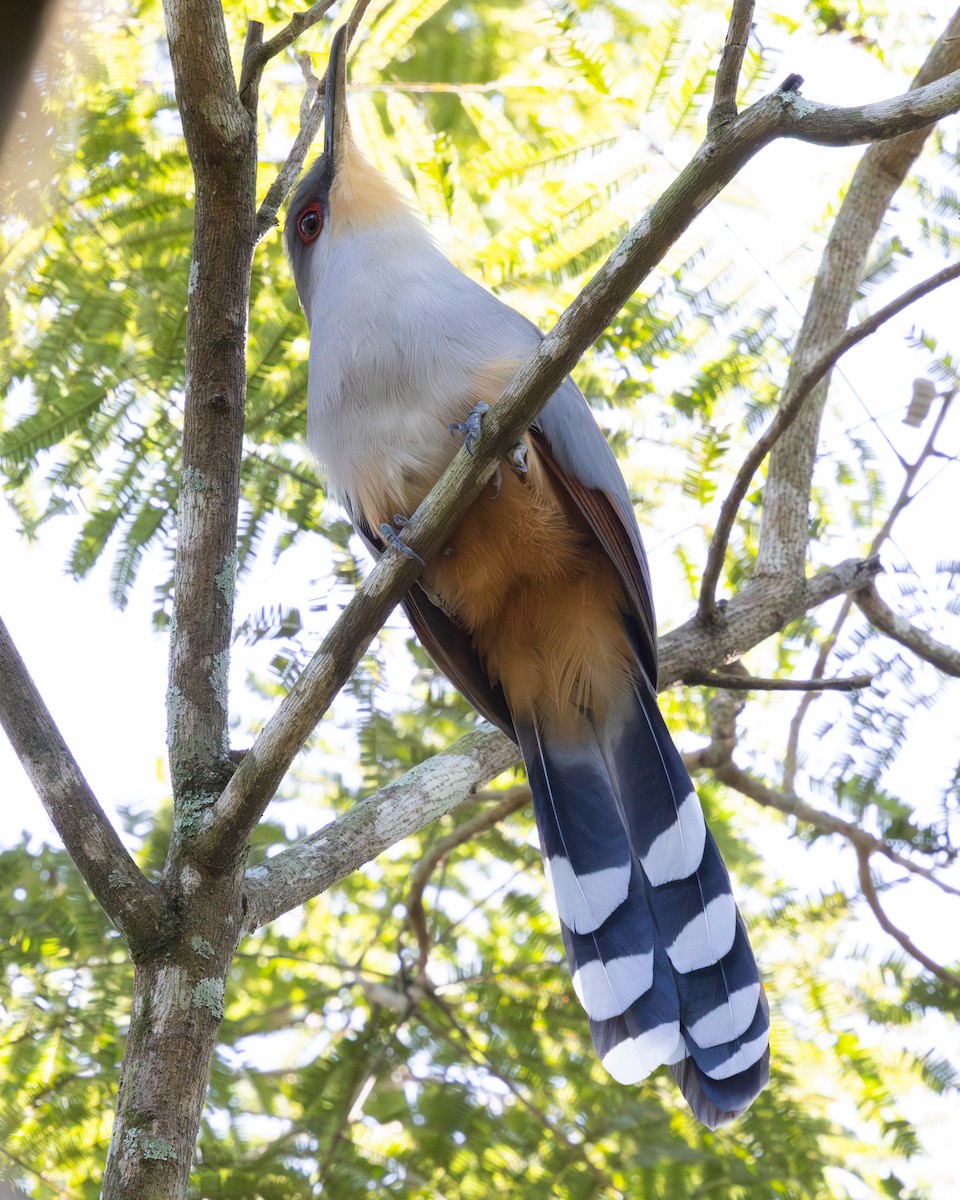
(341, 197)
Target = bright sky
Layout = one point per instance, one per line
(103, 672)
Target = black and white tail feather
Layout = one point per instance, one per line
(658, 952)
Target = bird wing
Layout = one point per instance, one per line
(451, 648)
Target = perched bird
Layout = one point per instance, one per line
(539, 610)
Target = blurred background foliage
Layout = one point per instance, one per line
(531, 136)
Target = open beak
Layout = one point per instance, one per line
(335, 100)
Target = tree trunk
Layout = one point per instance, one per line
(178, 1003)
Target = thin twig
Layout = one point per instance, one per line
(791, 804)
(311, 117)
(479, 904)
(870, 895)
(756, 683)
(725, 85)
(356, 16)
(945, 658)
(512, 799)
(257, 53)
(904, 498)
(786, 415)
(135, 905)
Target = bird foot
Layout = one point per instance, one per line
(470, 431)
(517, 458)
(392, 538)
(470, 428)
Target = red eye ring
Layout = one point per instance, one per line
(309, 223)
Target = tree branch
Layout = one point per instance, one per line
(871, 897)
(252, 44)
(135, 905)
(178, 994)
(792, 806)
(401, 808)
(311, 116)
(831, 125)
(786, 415)
(762, 609)
(213, 117)
(221, 139)
(257, 55)
(945, 658)
(717, 756)
(725, 85)
(755, 683)
(357, 14)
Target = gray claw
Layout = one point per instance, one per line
(470, 428)
(497, 479)
(391, 537)
(518, 458)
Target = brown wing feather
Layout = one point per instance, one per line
(448, 645)
(622, 545)
(451, 648)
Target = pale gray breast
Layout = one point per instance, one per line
(399, 338)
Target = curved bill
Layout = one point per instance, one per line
(335, 100)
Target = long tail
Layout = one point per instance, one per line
(658, 952)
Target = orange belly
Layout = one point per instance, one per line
(526, 576)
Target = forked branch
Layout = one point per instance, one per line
(791, 805)
(311, 114)
(257, 53)
(731, 62)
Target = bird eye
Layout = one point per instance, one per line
(309, 224)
